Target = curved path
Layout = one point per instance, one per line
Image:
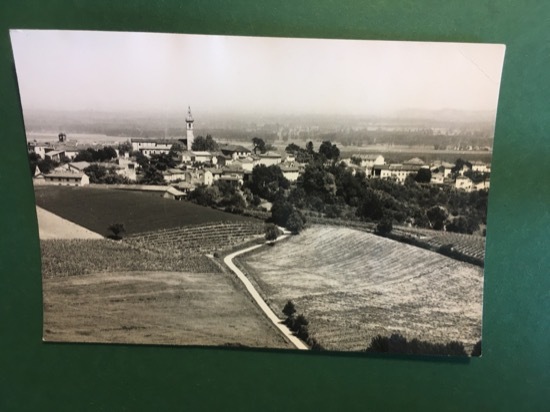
(256, 296)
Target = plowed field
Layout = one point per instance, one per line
(353, 285)
(97, 208)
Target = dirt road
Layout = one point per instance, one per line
(259, 300)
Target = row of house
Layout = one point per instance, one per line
(375, 166)
(235, 163)
(231, 163)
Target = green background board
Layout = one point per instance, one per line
(514, 372)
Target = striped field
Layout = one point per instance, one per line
(353, 285)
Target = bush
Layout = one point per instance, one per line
(315, 345)
(289, 309)
(295, 222)
(284, 214)
(384, 227)
(117, 229)
(398, 344)
(272, 232)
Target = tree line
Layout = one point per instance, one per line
(333, 190)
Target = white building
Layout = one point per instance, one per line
(173, 175)
(481, 167)
(369, 161)
(149, 147)
(464, 183)
(235, 151)
(203, 157)
(62, 179)
(396, 171)
(268, 159)
(127, 168)
(437, 178)
(291, 172)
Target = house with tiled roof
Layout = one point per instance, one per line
(149, 147)
(268, 159)
(291, 171)
(61, 179)
(173, 175)
(203, 157)
(464, 183)
(397, 171)
(55, 155)
(481, 167)
(234, 151)
(245, 164)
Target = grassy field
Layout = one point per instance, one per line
(107, 291)
(96, 209)
(62, 258)
(166, 308)
(353, 285)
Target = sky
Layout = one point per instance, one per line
(147, 72)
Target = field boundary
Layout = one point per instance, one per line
(275, 320)
(422, 238)
(258, 298)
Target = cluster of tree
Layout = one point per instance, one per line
(259, 145)
(106, 175)
(298, 324)
(424, 175)
(124, 148)
(336, 191)
(459, 165)
(477, 177)
(302, 155)
(398, 344)
(92, 155)
(283, 213)
(267, 181)
(221, 194)
(329, 151)
(272, 232)
(117, 229)
(333, 189)
(45, 165)
(153, 167)
(204, 144)
(384, 227)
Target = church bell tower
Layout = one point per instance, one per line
(189, 120)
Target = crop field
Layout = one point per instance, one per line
(469, 245)
(352, 285)
(206, 238)
(62, 258)
(108, 291)
(97, 208)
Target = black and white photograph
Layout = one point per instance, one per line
(259, 192)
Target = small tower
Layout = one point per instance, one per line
(189, 120)
(62, 137)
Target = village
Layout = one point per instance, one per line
(190, 168)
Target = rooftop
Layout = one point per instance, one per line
(234, 148)
(64, 175)
(79, 165)
(414, 161)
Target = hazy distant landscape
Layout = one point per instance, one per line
(447, 133)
